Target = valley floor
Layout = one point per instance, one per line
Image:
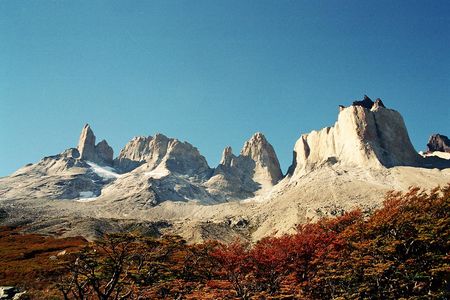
(327, 191)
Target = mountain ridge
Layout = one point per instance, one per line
(167, 183)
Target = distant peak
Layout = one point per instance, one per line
(228, 150)
(378, 103)
(87, 137)
(258, 136)
(368, 103)
(101, 153)
(256, 139)
(227, 156)
(262, 152)
(438, 142)
(160, 136)
(365, 134)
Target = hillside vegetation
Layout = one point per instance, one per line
(400, 251)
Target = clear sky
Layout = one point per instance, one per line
(213, 72)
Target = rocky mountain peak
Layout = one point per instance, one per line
(101, 153)
(169, 153)
(366, 102)
(365, 134)
(262, 153)
(378, 103)
(86, 143)
(104, 152)
(257, 148)
(438, 142)
(254, 172)
(227, 157)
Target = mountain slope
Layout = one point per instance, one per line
(162, 185)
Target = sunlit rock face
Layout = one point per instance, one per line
(172, 154)
(365, 134)
(255, 170)
(101, 153)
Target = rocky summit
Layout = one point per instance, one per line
(365, 134)
(100, 153)
(438, 142)
(159, 184)
(163, 152)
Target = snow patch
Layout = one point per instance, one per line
(86, 196)
(158, 173)
(443, 155)
(86, 199)
(105, 172)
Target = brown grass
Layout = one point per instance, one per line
(31, 261)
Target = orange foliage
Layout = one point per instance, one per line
(31, 261)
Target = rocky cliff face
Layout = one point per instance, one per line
(365, 134)
(156, 169)
(438, 142)
(75, 173)
(161, 151)
(101, 153)
(351, 164)
(267, 168)
(256, 169)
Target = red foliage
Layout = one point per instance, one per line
(235, 264)
(271, 258)
(400, 251)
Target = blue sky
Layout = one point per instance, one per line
(213, 72)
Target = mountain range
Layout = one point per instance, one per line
(159, 185)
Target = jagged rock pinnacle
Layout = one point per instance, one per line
(438, 142)
(86, 143)
(101, 153)
(227, 157)
(262, 152)
(366, 102)
(378, 103)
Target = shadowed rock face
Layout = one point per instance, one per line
(366, 102)
(101, 153)
(378, 103)
(438, 142)
(104, 153)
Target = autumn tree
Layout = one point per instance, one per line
(400, 251)
(236, 265)
(199, 262)
(270, 259)
(103, 270)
